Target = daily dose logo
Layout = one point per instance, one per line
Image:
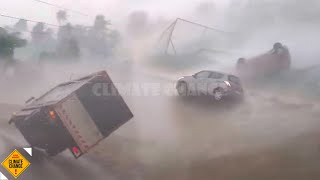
(15, 164)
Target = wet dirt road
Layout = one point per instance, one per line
(269, 136)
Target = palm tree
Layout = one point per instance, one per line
(61, 16)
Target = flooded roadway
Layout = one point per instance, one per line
(269, 136)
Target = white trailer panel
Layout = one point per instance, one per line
(79, 123)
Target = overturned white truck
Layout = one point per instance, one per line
(72, 116)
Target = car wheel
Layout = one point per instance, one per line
(218, 94)
(182, 88)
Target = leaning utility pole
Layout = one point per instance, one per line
(170, 30)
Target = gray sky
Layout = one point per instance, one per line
(115, 10)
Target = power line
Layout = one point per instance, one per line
(61, 7)
(17, 18)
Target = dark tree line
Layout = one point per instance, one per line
(70, 41)
(8, 43)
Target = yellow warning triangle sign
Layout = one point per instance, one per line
(15, 163)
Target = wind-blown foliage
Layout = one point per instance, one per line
(8, 42)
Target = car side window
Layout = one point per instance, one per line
(202, 74)
(216, 75)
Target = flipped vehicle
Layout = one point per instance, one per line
(274, 61)
(73, 116)
(216, 84)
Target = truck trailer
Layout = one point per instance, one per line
(72, 116)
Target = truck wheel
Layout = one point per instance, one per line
(37, 155)
(182, 89)
(218, 94)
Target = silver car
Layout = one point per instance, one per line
(216, 84)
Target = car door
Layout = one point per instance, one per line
(202, 80)
(214, 81)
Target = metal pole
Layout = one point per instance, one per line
(207, 27)
(174, 49)
(163, 33)
(170, 36)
